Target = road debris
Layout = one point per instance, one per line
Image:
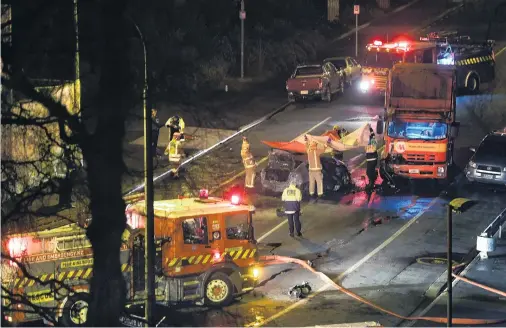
(300, 291)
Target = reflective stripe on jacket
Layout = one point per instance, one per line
(247, 159)
(313, 157)
(291, 198)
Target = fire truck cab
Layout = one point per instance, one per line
(420, 121)
(381, 57)
(205, 250)
(205, 253)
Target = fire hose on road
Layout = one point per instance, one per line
(275, 259)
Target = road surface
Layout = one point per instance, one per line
(383, 262)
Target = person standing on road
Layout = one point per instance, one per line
(291, 198)
(249, 164)
(371, 157)
(314, 151)
(155, 131)
(175, 125)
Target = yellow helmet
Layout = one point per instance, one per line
(336, 127)
(245, 145)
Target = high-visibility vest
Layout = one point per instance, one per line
(291, 197)
(371, 153)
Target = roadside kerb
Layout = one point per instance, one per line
(437, 18)
(442, 289)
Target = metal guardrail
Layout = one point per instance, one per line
(485, 242)
(205, 151)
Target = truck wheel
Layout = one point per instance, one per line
(75, 310)
(473, 84)
(219, 290)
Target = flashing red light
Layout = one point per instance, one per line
(235, 199)
(17, 246)
(377, 43)
(203, 194)
(216, 256)
(403, 44)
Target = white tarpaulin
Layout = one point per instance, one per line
(355, 139)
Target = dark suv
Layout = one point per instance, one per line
(488, 164)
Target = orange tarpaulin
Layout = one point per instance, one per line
(357, 138)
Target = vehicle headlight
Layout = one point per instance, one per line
(255, 273)
(364, 85)
(504, 169)
(472, 164)
(441, 169)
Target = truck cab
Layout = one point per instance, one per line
(205, 250)
(420, 121)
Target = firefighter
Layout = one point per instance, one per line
(175, 150)
(341, 132)
(314, 151)
(155, 131)
(371, 157)
(291, 198)
(175, 124)
(249, 164)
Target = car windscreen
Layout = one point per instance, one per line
(338, 63)
(382, 59)
(496, 148)
(417, 130)
(309, 70)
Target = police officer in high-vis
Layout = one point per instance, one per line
(249, 164)
(371, 157)
(291, 198)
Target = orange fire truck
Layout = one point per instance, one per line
(420, 121)
(381, 57)
(205, 253)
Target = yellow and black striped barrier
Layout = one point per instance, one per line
(205, 258)
(83, 274)
(473, 61)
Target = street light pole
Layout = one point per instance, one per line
(242, 38)
(149, 233)
(449, 266)
(77, 73)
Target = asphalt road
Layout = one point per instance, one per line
(378, 262)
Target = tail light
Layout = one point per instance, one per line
(320, 83)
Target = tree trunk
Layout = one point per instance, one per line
(103, 156)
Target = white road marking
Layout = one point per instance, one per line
(351, 269)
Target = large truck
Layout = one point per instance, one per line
(205, 253)
(420, 121)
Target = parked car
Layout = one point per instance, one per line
(488, 164)
(318, 81)
(283, 166)
(351, 69)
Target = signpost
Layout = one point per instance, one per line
(242, 17)
(356, 11)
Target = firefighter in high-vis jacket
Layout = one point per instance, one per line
(175, 150)
(176, 125)
(249, 164)
(291, 198)
(371, 157)
(314, 151)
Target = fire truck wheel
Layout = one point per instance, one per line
(473, 84)
(75, 310)
(219, 290)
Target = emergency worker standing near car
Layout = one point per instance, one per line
(155, 131)
(371, 157)
(249, 164)
(314, 151)
(291, 198)
(176, 125)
